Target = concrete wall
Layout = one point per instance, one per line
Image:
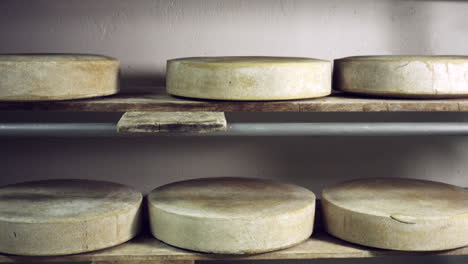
(143, 34)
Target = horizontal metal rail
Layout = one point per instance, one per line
(245, 129)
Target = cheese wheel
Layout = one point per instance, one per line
(59, 217)
(44, 77)
(249, 78)
(403, 76)
(231, 215)
(400, 214)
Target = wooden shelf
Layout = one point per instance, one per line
(166, 103)
(148, 249)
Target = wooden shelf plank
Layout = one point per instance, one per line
(146, 248)
(165, 103)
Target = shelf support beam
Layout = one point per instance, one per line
(245, 129)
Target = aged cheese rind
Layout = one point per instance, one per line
(37, 77)
(403, 76)
(60, 217)
(231, 215)
(399, 214)
(248, 78)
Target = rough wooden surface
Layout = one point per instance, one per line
(146, 248)
(145, 262)
(156, 122)
(161, 101)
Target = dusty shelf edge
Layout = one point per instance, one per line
(161, 102)
(146, 248)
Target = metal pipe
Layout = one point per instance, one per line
(58, 129)
(246, 129)
(349, 129)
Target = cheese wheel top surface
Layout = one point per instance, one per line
(230, 198)
(64, 200)
(244, 61)
(16, 58)
(390, 197)
(447, 58)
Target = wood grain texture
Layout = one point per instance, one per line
(162, 102)
(178, 122)
(146, 248)
(146, 262)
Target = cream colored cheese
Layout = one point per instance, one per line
(400, 214)
(403, 76)
(59, 217)
(248, 78)
(231, 215)
(43, 77)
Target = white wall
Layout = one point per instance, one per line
(144, 34)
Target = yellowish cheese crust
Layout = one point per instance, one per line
(61, 217)
(403, 76)
(37, 77)
(399, 214)
(231, 215)
(248, 78)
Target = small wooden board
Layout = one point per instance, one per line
(157, 122)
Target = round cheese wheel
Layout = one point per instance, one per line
(249, 78)
(59, 217)
(403, 76)
(42, 77)
(400, 214)
(231, 215)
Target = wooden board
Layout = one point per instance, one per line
(178, 122)
(146, 248)
(164, 103)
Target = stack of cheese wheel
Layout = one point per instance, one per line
(403, 76)
(231, 215)
(59, 217)
(39, 77)
(400, 214)
(249, 78)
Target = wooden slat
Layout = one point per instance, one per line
(162, 102)
(146, 262)
(174, 122)
(145, 249)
